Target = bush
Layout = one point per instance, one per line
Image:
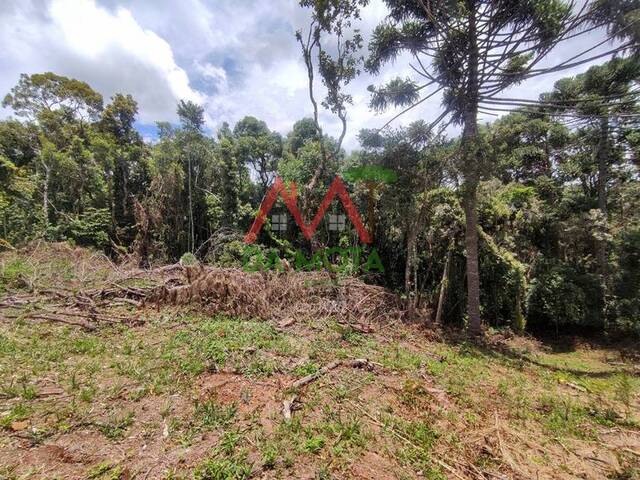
(502, 285)
(560, 295)
(91, 228)
(624, 310)
(188, 259)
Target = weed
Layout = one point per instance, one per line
(624, 390)
(211, 343)
(117, 426)
(87, 394)
(223, 469)
(269, 456)
(15, 274)
(87, 346)
(210, 414)
(307, 368)
(18, 413)
(261, 368)
(229, 441)
(314, 444)
(106, 471)
(399, 358)
(562, 417)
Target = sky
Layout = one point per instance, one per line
(233, 57)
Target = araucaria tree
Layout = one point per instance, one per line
(471, 51)
(602, 103)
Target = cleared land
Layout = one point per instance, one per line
(97, 381)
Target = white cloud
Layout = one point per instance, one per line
(109, 50)
(216, 74)
(236, 58)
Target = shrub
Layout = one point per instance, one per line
(560, 295)
(624, 310)
(91, 228)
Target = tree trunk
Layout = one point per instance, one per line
(412, 248)
(603, 177)
(471, 174)
(412, 238)
(473, 270)
(371, 215)
(45, 194)
(444, 283)
(191, 234)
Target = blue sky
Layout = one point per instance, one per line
(234, 57)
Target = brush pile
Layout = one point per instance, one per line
(283, 297)
(58, 283)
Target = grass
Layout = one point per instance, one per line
(117, 426)
(105, 471)
(14, 274)
(420, 406)
(211, 414)
(213, 344)
(223, 469)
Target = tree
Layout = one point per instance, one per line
(192, 119)
(419, 166)
(602, 99)
(621, 18)
(191, 115)
(20, 216)
(130, 176)
(471, 51)
(373, 176)
(258, 148)
(46, 92)
(303, 131)
(230, 178)
(334, 19)
(526, 145)
(61, 107)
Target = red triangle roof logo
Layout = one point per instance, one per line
(337, 188)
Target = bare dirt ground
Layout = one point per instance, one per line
(106, 372)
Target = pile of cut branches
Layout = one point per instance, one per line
(81, 309)
(283, 297)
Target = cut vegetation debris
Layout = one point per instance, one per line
(285, 297)
(110, 372)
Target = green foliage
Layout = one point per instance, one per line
(43, 92)
(399, 92)
(210, 414)
(370, 173)
(188, 259)
(314, 444)
(91, 227)
(79, 170)
(560, 295)
(13, 273)
(257, 147)
(116, 428)
(223, 469)
(504, 279)
(625, 309)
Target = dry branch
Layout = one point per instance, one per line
(356, 363)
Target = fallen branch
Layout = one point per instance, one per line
(51, 318)
(356, 363)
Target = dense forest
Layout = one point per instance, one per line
(539, 206)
